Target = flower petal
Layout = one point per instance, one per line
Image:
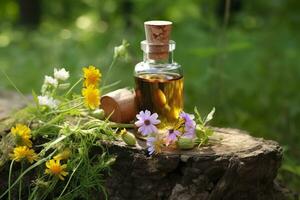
(64, 173)
(150, 139)
(141, 129)
(61, 177)
(151, 150)
(154, 116)
(153, 128)
(140, 115)
(139, 123)
(156, 121)
(147, 130)
(147, 113)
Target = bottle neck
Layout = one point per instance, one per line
(166, 59)
(158, 53)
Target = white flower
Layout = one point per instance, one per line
(47, 101)
(49, 80)
(61, 74)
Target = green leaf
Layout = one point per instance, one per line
(209, 132)
(199, 131)
(51, 144)
(210, 115)
(198, 116)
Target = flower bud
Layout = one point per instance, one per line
(42, 184)
(121, 51)
(185, 143)
(35, 125)
(128, 137)
(64, 86)
(98, 113)
(65, 154)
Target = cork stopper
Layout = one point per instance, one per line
(119, 105)
(158, 37)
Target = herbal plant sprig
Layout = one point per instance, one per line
(202, 130)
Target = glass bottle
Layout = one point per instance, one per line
(158, 79)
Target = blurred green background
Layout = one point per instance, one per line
(245, 61)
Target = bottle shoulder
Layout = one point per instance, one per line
(144, 67)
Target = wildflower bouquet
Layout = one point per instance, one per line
(54, 148)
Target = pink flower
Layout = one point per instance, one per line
(146, 122)
(189, 124)
(172, 136)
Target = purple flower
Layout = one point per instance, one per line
(190, 133)
(188, 119)
(172, 136)
(146, 122)
(189, 124)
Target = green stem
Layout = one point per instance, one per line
(62, 111)
(9, 181)
(14, 85)
(108, 71)
(54, 90)
(20, 183)
(50, 145)
(70, 101)
(70, 90)
(72, 191)
(49, 189)
(106, 88)
(96, 123)
(118, 125)
(66, 186)
(23, 174)
(33, 193)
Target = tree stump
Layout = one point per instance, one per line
(233, 166)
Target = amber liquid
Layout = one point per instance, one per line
(160, 93)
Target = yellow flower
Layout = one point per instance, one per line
(65, 154)
(55, 168)
(23, 152)
(22, 134)
(91, 76)
(91, 97)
